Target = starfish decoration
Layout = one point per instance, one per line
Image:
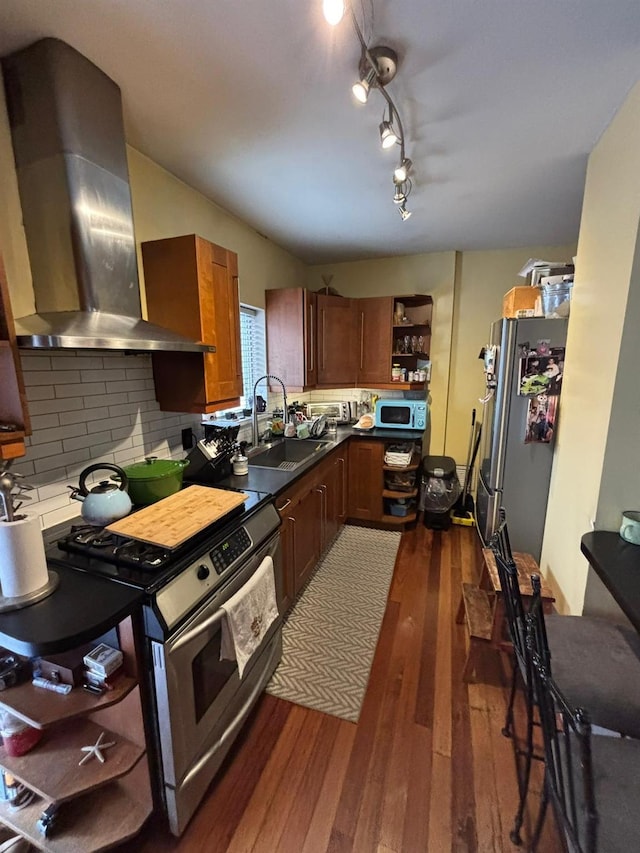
(96, 750)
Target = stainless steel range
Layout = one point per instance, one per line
(200, 701)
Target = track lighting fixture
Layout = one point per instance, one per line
(388, 136)
(401, 172)
(377, 67)
(361, 88)
(404, 213)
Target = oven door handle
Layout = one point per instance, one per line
(199, 629)
(228, 732)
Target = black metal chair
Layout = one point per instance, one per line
(595, 662)
(591, 781)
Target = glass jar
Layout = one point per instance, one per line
(396, 373)
(18, 737)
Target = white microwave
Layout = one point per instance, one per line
(401, 414)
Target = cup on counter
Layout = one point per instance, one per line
(332, 427)
(630, 527)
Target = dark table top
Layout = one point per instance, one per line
(82, 608)
(617, 564)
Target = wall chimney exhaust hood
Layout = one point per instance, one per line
(68, 141)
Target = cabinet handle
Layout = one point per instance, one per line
(361, 340)
(322, 348)
(284, 505)
(311, 338)
(344, 486)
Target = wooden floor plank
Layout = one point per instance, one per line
(425, 769)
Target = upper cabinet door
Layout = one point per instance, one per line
(291, 336)
(192, 288)
(375, 338)
(337, 341)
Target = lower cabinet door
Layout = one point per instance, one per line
(306, 536)
(366, 479)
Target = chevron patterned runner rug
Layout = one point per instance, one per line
(330, 635)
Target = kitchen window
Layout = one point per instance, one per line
(254, 350)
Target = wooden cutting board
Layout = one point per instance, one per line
(171, 521)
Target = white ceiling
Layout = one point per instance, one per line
(249, 101)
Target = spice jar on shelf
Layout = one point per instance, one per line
(396, 373)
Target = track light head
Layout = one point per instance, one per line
(404, 213)
(333, 11)
(362, 87)
(401, 173)
(388, 136)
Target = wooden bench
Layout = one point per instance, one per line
(482, 607)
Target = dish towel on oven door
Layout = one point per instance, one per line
(249, 613)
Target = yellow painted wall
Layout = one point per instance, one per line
(164, 206)
(606, 270)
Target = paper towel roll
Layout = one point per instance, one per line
(23, 565)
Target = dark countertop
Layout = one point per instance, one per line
(85, 606)
(275, 481)
(617, 564)
(82, 608)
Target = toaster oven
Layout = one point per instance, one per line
(341, 411)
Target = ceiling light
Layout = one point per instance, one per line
(399, 196)
(388, 136)
(401, 173)
(333, 11)
(404, 213)
(361, 88)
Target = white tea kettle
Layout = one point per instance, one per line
(107, 501)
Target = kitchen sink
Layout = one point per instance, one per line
(287, 455)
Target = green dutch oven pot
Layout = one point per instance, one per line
(154, 479)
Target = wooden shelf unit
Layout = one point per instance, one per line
(101, 805)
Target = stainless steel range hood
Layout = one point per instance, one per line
(68, 142)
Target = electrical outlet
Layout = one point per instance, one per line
(187, 438)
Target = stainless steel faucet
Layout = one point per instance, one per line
(254, 437)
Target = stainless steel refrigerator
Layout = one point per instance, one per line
(515, 468)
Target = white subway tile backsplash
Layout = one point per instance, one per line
(139, 373)
(131, 409)
(123, 432)
(39, 392)
(52, 490)
(109, 448)
(42, 407)
(139, 396)
(71, 361)
(58, 433)
(47, 448)
(45, 421)
(79, 388)
(126, 385)
(49, 463)
(104, 400)
(84, 415)
(102, 375)
(21, 466)
(111, 423)
(50, 519)
(52, 377)
(86, 440)
(35, 362)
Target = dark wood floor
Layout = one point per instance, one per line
(425, 768)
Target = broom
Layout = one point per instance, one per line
(463, 514)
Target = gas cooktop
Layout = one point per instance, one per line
(96, 550)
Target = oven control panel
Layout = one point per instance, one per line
(227, 552)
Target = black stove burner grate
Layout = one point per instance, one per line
(99, 542)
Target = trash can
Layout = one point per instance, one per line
(439, 491)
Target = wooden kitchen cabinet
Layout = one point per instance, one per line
(192, 288)
(368, 497)
(417, 328)
(337, 341)
(14, 415)
(366, 479)
(312, 511)
(291, 327)
(100, 805)
(375, 318)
